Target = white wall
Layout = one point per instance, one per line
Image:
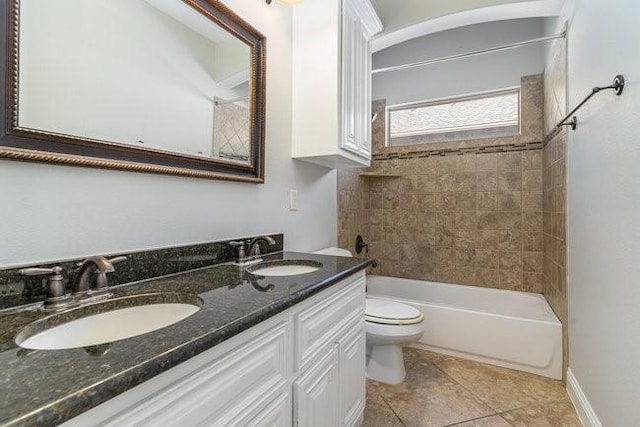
(604, 210)
(474, 74)
(399, 14)
(50, 212)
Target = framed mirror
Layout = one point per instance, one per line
(162, 86)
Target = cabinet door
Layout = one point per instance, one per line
(352, 374)
(320, 324)
(364, 110)
(316, 393)
(350, 28)
(356, 82)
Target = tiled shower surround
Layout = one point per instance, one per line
(468, 212)
(554, 191)
(471, 219)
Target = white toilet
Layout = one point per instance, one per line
(390, 325)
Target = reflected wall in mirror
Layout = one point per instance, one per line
(164, 86)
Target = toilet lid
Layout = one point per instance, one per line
(391, 313)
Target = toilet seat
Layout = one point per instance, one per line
(387, 312)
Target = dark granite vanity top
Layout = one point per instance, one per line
(49, 387)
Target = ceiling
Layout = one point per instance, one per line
(408, 19)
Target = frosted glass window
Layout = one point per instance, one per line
(481, 116)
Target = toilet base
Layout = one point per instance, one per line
(385, 363)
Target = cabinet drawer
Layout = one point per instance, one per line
(318, 325)
(220, 393)
(276, 412)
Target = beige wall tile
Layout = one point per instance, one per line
(466, 257)
(532, 160)
(466, 163)
(509, 180)
(532, 241)
(466, 201)
(532, 281)
(446, 274)
(445, 165)
(510, 161)
(532, 180)
(458, 218)
(487, 181)
(487, 162)
(510, 201)
(487, 258)
(532, 201)
(465, 275)
(489, 277)
(465, 239)
(427, 202)
(446, 183)
(510, 260)
(532, 261)
(531, 221)
(466, 181)
(511, 279)
(486, 201)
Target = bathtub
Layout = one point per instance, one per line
(516, 330)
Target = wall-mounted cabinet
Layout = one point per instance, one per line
(332, 81)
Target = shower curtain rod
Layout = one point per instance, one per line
(467, 54)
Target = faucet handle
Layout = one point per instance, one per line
(240, 245)
(118, 259)
(57, 297)
(40, 271)
(101, 283)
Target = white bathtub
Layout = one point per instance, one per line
(516, 330)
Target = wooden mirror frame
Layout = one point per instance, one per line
(18, 143)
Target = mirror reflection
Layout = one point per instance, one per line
(154, 74)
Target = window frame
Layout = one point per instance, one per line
(449, 100)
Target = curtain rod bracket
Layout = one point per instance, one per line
(617, 86)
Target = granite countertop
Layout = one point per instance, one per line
(49, 387)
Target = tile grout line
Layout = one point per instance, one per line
(476, 419)
(392, 410)
(497, 412)
(467, 389)
(551, 402)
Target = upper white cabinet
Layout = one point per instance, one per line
(332, 81)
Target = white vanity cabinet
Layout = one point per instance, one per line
(304, 366)
(332, 81)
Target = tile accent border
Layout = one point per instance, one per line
(459, 151)
(584, 409)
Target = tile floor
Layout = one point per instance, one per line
(447, 391)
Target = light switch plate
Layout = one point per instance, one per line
(293, 200)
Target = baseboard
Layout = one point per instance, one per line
(586, 413)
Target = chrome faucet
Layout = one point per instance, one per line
(90, 266)
(252, 253)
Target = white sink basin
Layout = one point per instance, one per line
(285, 268)
(108, 321)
